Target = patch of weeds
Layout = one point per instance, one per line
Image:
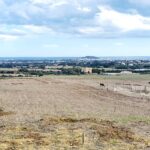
(113, 142)
(1, 109)
(132, 119)
(3, 113)
(71, 133)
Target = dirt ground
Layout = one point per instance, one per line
(60, 112)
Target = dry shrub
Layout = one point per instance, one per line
(3, 113)
(71, 133)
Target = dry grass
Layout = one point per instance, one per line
(70, 133)
(40, 104)
(3, 113)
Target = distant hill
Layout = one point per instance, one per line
(90, 57)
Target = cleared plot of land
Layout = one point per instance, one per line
(72, 112)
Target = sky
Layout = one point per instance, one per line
(63, 28)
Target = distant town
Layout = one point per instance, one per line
(28, 67)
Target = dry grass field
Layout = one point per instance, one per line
(75, 113)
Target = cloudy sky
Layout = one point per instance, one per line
(74, 28)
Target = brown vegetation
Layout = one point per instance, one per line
(72, 113)
(70, 133)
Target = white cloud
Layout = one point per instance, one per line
(51, 45)
(86, 18)
(12, 32)
(7, 37)
(41, 1)
(140, 2)
(108, 17)
(52, 3)
(38, 29)
(18, 31)
(84, 9)
(90, 30)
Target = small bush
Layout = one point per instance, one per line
(1, 109)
